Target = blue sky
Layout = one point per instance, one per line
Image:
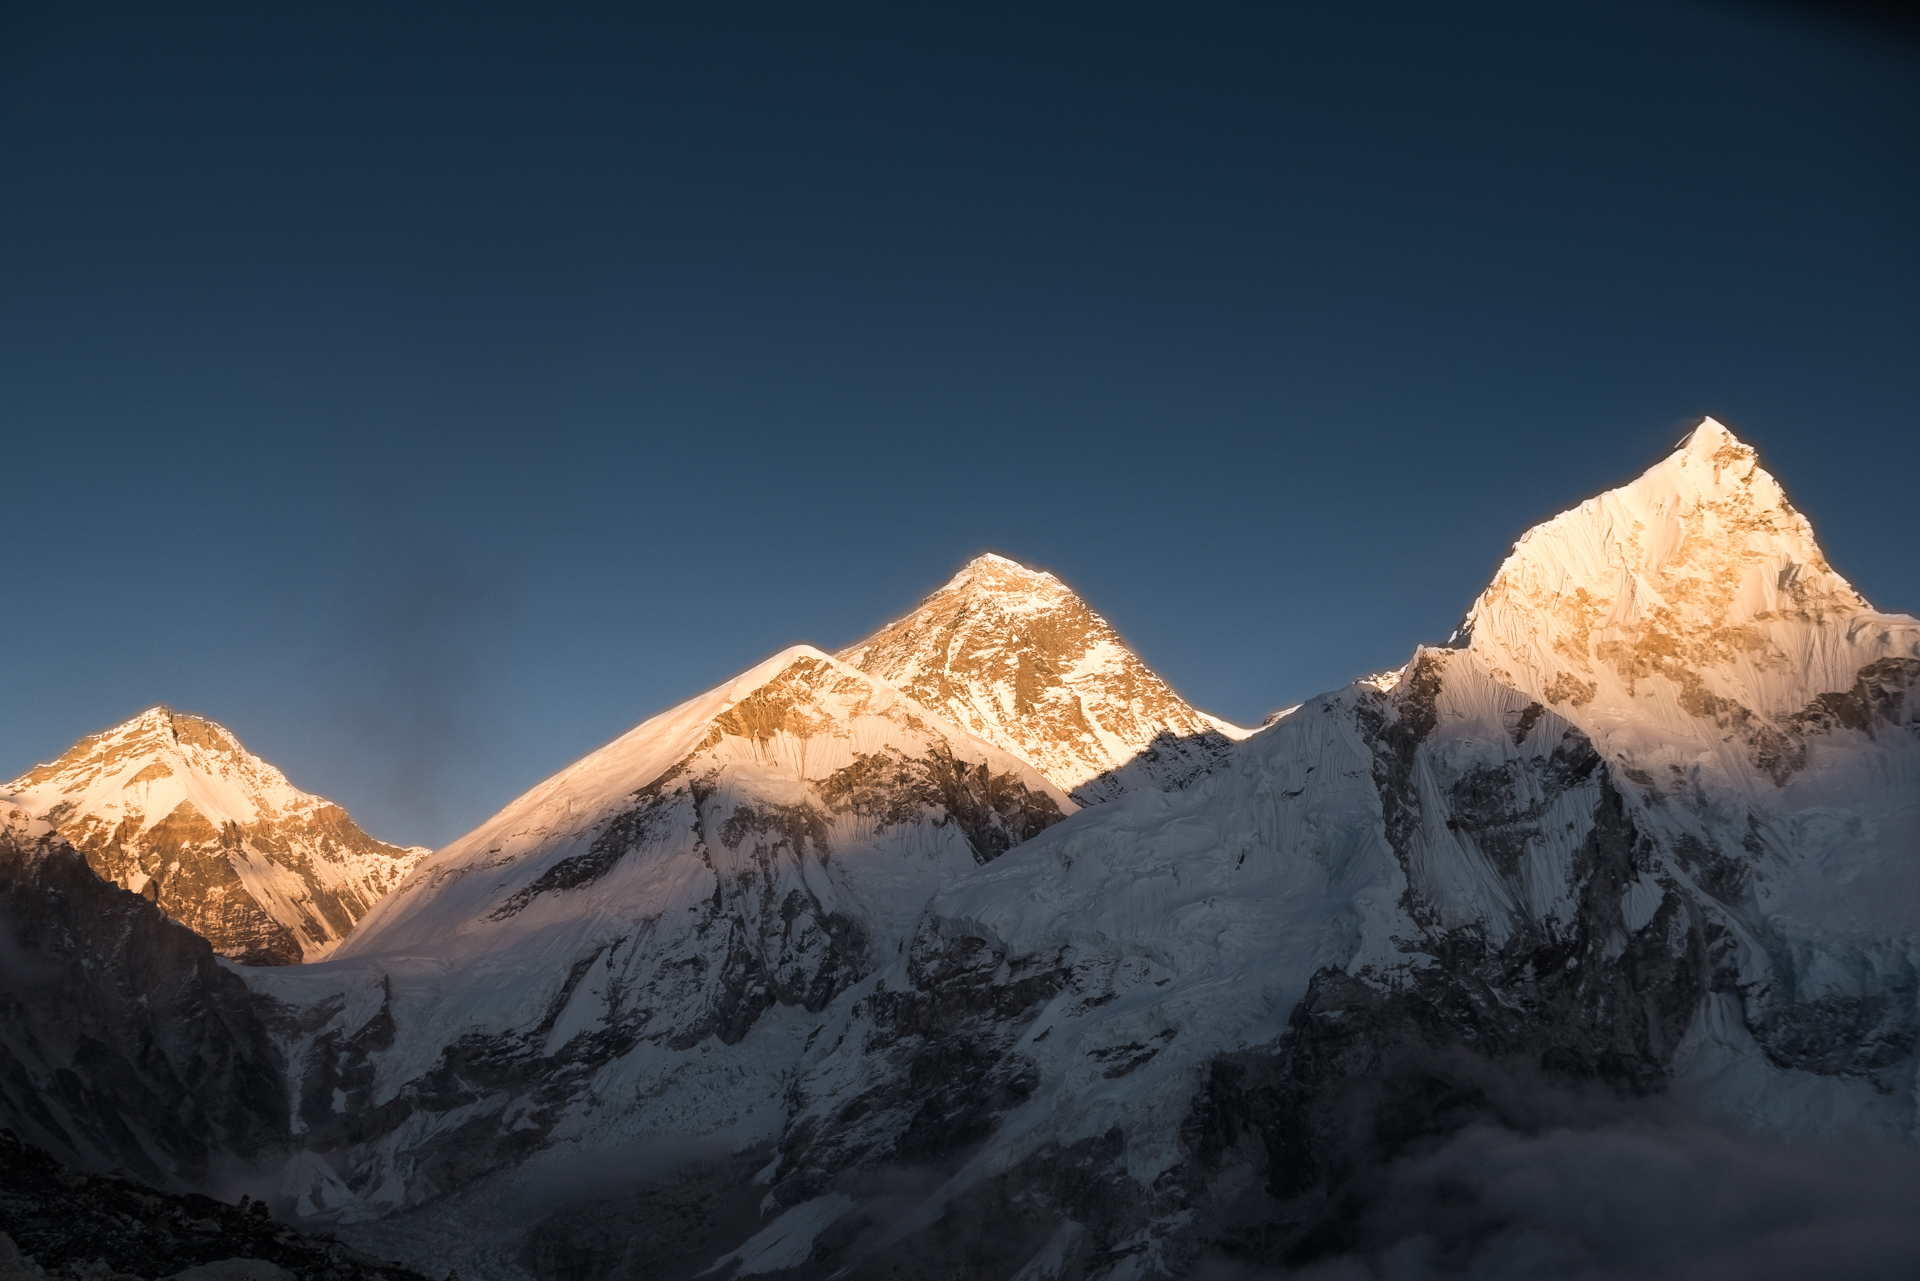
(431, 393)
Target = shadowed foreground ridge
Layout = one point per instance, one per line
(125, 1042)
(107, 1226)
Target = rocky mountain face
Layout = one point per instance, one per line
(1016, 658)
(811, 977)
(123, 1042)
(1759, 718)
(59, 1222)
(1649, 827)
(639, 946)
(174, 808)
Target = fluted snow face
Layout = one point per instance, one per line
(173, 807)
(1689, 615)
(1765, 721)
(1660, 806)
(1012, 655)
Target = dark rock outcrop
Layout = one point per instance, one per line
(122, 1040)
(66, 1223)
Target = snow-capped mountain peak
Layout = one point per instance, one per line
(1651, 823)
(800, 731)
(1691, 603)
(1648, 827)
(1012, 584)
(662, 919)
(173, 807)
(1014, 656)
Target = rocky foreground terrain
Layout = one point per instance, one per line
(888, 965)
(57, 1222)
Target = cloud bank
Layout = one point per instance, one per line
(1646, 1196)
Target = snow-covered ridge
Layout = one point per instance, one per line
(640, 945)
(1651, 823)
(785, 731)
(1688, 617)
(1013, 655)
(1647, 824)
(173, 807)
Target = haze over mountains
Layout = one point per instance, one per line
(975, 951)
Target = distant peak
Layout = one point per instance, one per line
(1711, 441)
(181, 727)
(989, 571)
(1709, 433)
(1712, 454)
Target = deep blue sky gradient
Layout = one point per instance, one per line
(431, 393)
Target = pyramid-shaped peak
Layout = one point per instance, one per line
(137, 738)
(991, 572)
(156, 744)
(173, 807)
(155, 721)
(1711, 464)
(1007, 563)
(1696, 582)
(166, 719)
(1013, 655)
(1704, 515)
(1710, 436)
